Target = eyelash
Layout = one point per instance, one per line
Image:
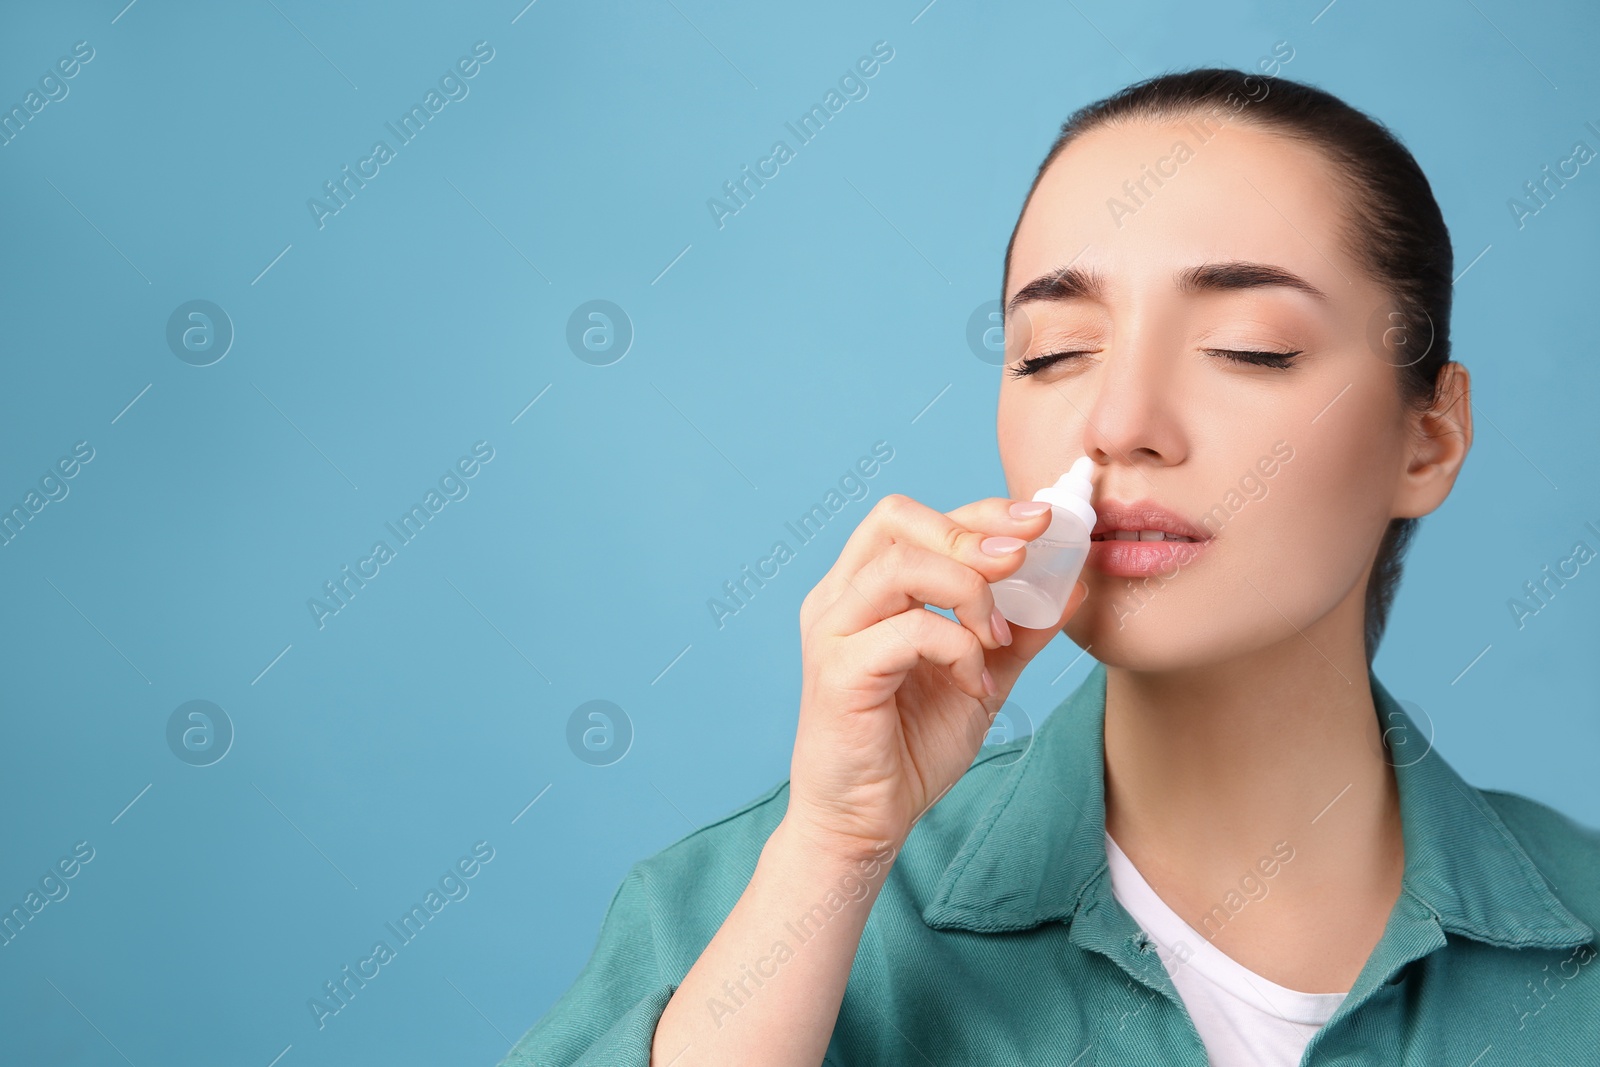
(1275, 360)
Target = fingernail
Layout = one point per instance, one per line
(1027, 509)
(1002, 631)
(988, 682)
(1001, 546)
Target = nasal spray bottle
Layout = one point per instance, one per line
(1037, 594)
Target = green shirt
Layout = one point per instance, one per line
(996, 938)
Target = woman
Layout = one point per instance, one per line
(1230, 844)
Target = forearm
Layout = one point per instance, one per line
(767, 988)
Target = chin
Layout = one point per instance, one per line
(1155, 640)
(1143, 655)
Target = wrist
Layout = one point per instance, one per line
(829, 854)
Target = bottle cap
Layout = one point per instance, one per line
(1071, 492)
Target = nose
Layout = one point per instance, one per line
(1135, 416)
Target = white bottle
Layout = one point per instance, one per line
(1037, 594)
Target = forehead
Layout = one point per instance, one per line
(1139, 202)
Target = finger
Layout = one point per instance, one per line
(905, 576)
(890, 648)
(897, 519)
(1003, 516)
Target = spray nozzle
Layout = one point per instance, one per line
(1072, 491)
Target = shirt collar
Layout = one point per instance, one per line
(1037, 851)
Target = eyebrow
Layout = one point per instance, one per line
(1071, 283)
(1068, 283)
(1223, 277)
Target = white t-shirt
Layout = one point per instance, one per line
(1244, 1020)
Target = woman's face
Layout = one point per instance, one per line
(1169, 249)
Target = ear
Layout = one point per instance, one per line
(1440, 436)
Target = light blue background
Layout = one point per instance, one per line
(427, 314)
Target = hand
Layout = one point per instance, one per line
(896, 699)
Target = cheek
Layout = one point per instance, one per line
(1311, 531)
(1035, 443)
(1345, 472)
(1305, 545)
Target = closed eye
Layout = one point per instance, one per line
(1035, 364)
(1279, 360)
(1276, 360)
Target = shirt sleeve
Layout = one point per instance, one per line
(608, 1017)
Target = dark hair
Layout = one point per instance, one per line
(1396, 231)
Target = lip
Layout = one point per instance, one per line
(1143, 559)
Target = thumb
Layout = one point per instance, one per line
(1007, 662)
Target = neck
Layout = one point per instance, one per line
(1212, 769)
